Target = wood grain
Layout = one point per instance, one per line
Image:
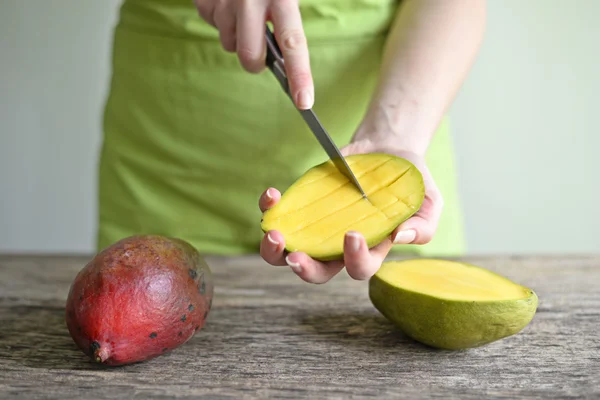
(271, 335)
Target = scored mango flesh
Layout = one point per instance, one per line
(316, 211)
(450, 280)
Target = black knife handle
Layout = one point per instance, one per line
(271, 46)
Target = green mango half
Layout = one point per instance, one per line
(449, 304)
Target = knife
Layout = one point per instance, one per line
(275, 64)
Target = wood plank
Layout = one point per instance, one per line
(271, 335)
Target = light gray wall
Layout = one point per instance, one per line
(54, 71)
(527, 132)
(525, 126)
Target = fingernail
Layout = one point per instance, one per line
(295, 266)
(353, 241)
(405, 237)
(268, 194)
(270, 239)
(305, 99)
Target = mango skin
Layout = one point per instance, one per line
(411, 191)
(451, 324)
(141, 297)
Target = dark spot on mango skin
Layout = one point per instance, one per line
(192, 272)
(180, 333)
(202, 287)
(197, 327)
(153, 335)
(191, 307)
(94, 346)
(183, 318)
(205, 314)
(165, 349)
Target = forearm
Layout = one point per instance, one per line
(430, 49)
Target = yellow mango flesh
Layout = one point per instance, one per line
(449, 304)
(316, 211)
(451, 281)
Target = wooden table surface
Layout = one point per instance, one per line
(271, 335)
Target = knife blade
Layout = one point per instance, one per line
(329, 146)
(275, 64)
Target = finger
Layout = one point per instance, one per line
(206, 9)
(420, 228)
(225, 21)
(251, 46)
(313, 271)
(407, 232)
(289, 32)
(272, 248)
(362, 263)
(416, 230)
(268, 199)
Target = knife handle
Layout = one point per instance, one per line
(273, 50)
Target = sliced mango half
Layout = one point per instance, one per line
(317, 210)
(449, 304)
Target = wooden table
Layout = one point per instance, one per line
(271, 335)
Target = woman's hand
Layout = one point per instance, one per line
(241, 25)
(360, 261)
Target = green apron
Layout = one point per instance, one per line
(191, 140)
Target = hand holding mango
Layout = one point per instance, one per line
(409, 100)
(321, 224)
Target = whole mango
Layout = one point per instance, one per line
(139, 298)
